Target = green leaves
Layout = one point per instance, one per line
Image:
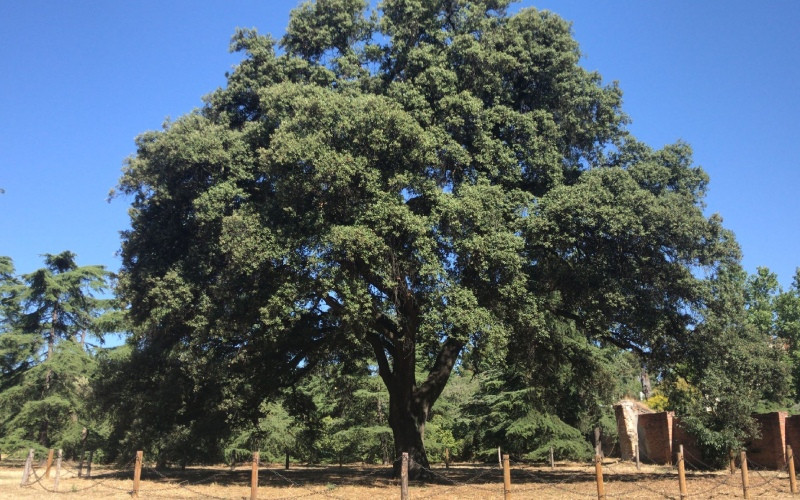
(316, 27)
(433, 182)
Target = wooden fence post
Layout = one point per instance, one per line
(28, 465)
(682, 474)
(745, 479)
(447, 458)
(58, 470)
(598, 468)
(404, 477)
(254, 477)
(137, 473)
(49, 464)
(506, 478)
(733, 462)
(792, 477)
(552, 459)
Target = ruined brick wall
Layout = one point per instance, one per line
(655, 437)
(660, 434)
(768, 450)
(793, 437)
(627, 421)
(691, 451)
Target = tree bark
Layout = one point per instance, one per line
(384, 441)
(407, 419)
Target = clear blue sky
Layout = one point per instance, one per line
(82, 78)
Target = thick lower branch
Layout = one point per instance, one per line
(384, 370)
(433, 386)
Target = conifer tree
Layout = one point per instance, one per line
(46, 318)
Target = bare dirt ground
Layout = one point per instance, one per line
(463, 481)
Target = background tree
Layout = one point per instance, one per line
(47, 315)
(18, 349)
(787, 329)
(734, 366)
(761, 291)
(436, 180)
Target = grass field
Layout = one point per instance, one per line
(463, 481)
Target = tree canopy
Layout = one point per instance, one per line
(436, 181)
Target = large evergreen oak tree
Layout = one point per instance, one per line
(433, 180)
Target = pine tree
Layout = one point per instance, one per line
(47, 316)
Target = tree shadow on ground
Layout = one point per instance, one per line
(377, 476)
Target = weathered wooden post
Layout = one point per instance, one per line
(636, 452)
(287, 458)
(598, 468)
(745, 479)
(447, 458)
(404, 477)
(49, 464)
(27, 471)
(506, 478)
(137, 473)
(254, 477)
(733, 462)
(682, 474)
(792, 477)
(552, 459)
(58, 470)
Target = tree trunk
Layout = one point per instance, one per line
(407, 420)
(598, 443)
(44, 440)
(394, 344)
(384, 443)
(645, 380)
(51, 338)
(409, 405)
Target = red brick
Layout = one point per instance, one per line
(768, 450)
(793, 437)
(655, 437)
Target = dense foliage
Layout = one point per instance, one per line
(434, 181)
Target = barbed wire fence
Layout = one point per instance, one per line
(612, 478)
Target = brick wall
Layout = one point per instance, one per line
(655, 437)
(768, 450)
(692, 454)
(660, 434)
(793, 437)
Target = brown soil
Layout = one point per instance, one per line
(464, 481)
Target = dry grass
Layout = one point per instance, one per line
(466, 481)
